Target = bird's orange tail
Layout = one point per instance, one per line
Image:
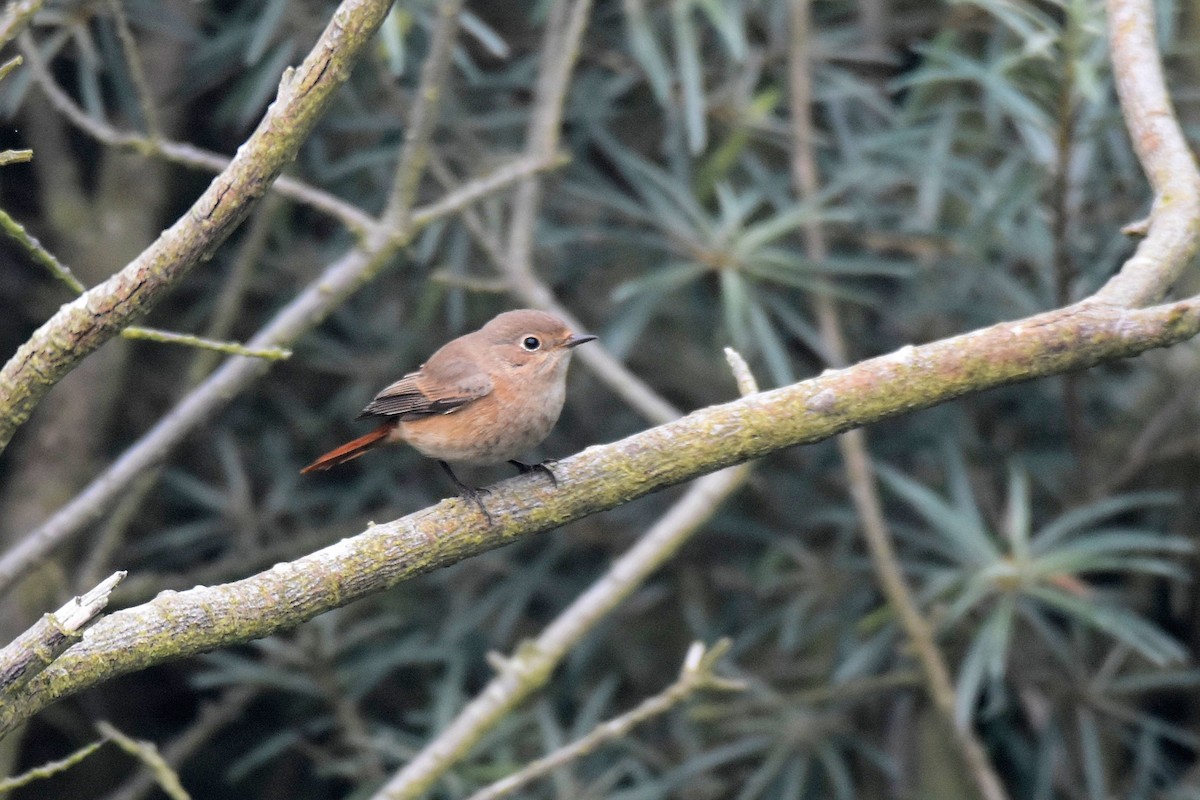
(352, 449)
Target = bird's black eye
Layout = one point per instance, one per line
(531, 343)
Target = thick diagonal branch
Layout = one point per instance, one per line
(185, 623)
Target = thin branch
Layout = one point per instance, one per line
(695, 675)
(1174, 234)
(173, 625)
(80, 327)
(423, 117)
(182, 153)
(51, 769)
(202, 343)
(136, 73)
(489, 243)
(934, 668)
(41, 255)
(472, 283)
(228, 306)
(38, 253)
(164, 776)
(8, 157)
(10, 65)
(559, 54)
(460, 197)
(212, 717)
(746, 383)
(852, 445)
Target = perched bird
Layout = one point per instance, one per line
(483, 398)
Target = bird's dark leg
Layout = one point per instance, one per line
(469, 492)
(542, 467)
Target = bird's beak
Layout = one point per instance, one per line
(579, 339)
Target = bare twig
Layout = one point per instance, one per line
(8, 157)
(1137, 228)
(136, 73)
(49, 770)
(36, 648)
(489, 243)
(559, 53)
(173, 625)
(228, 306)
(423, 117)
(696, 674)
(934, 668)
(38, 253)
(202, 343)
(10, 65)
(164, 776)
(746, 383)
(459, 198)
(1162, 149)
(212, 717)
(42, 256)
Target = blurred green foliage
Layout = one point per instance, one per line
(973, 168)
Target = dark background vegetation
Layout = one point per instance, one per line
(974, 168)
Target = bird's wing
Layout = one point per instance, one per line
(446, 383)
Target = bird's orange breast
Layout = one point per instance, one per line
(502, 425)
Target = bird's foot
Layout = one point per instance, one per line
(542, 467)
(471, 494)
(474, 495)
